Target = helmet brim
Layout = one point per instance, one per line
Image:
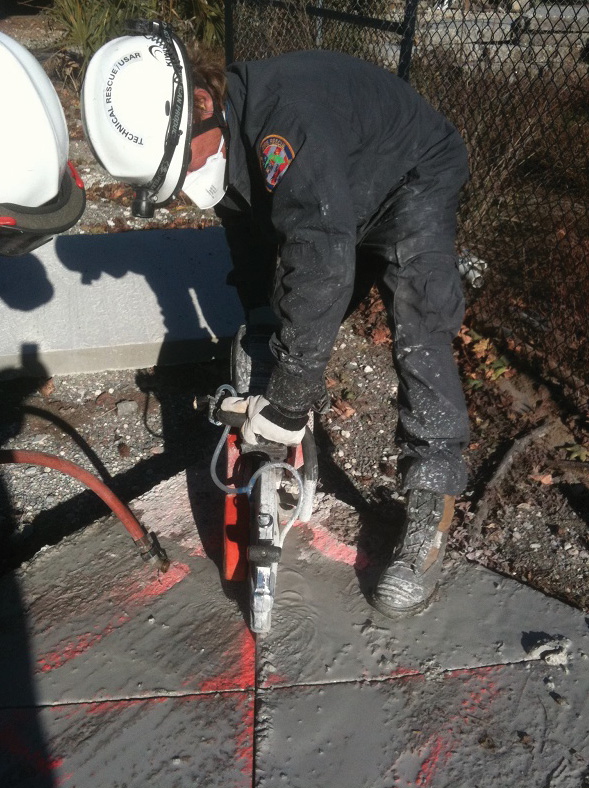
(23, 229)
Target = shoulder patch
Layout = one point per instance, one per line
(276, 154)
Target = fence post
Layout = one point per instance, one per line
(409, 21)
(228, 31)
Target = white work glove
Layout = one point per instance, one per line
(264, 420)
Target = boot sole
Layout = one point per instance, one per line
(393, 612)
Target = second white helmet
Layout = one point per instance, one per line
(40, 195)
(137, 103)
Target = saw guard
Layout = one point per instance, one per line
(236, 526)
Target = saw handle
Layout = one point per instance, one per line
(229, 418)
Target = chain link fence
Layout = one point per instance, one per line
(514, 80)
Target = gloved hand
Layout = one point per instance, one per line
(266, 421)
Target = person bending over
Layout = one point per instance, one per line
(329, 174)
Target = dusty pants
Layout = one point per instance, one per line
(410, 248)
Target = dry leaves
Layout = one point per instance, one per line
(543, 478)
(342, 408)
(381, 336)
(47, 388)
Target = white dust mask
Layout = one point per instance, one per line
(206, 186)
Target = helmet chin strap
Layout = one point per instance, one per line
(145, 198)
(215, 121)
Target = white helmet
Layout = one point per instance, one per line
(137, 112)
(39, 194)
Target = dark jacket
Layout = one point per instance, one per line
(346, 133)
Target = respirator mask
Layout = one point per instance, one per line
(206, 186)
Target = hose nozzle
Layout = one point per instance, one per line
(151, 550)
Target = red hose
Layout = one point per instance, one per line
(124, 514)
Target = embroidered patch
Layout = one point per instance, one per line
(275, 156)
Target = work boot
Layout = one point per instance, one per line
(408, 582)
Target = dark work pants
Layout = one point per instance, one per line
(409, 249)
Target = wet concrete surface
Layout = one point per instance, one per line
(479, 618)
(113, 676)
(485, 688)
(486, 726)
(165, 741)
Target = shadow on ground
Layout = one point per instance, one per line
(24, 756)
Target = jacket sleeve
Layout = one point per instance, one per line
(253, 258)
(313, 216)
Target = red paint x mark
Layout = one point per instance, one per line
(241, 674)
(139, 596)
(331, 547)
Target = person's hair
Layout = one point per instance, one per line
(208, 71)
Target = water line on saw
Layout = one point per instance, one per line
(267, 467)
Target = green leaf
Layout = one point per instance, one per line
(578, 452)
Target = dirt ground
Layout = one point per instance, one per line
(525, 511)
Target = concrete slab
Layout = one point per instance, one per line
(164, 742)
(111, 676)
(324, 630)
(85, 303)
(98, 624)
(483, 728)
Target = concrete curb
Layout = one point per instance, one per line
(86, 303)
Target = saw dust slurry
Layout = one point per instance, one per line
(140, 679)
(140, 596)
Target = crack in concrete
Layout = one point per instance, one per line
(400, 676)
(130, 699)
(257, 689)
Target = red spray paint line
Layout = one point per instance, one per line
(107, 706)
(440, 752)
(56, 659)
(443, 745)
(158, 586)
(331, 547)
(469, 673)
(63, 779)
(66, 651)
(241, 674)
(244, 741)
